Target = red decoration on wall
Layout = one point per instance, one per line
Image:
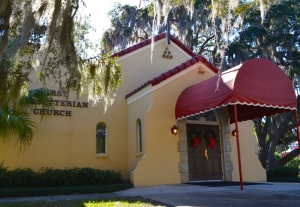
(196, 141)
(212, 142)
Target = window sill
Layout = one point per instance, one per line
(102, 156)
(140, 154)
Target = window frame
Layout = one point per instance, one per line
(105, 138)
(139, 137)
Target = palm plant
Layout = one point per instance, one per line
(15, 123)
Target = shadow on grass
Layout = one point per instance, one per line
(121, 202)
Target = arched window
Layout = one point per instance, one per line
(139, 135)
(101, 138)
(203, 117)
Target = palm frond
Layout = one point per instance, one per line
(16, 125)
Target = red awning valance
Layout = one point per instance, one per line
(258, 88)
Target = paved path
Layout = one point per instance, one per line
(268, 195)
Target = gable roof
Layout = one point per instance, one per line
(156, 80)
(175, 70)
(148, 42)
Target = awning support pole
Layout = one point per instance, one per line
(297, 128)
(238, 147)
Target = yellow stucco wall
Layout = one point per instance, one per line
(138, 67)
(159, 164)
(66, 142)
(137, 111)
(252, 171)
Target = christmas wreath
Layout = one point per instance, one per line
(211, 136)
(195, 137)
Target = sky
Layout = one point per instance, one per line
(99, 10)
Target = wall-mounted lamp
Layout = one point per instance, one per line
(174, 130)
(233, 132)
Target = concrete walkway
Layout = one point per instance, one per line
(269, 194)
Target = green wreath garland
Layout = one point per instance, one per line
(195, 133)
(210, 134)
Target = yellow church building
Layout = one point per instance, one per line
(137, 134)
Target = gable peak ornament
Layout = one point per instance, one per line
(167, 54)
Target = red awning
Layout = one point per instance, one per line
(258, 88)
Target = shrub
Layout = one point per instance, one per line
(283, 171)
(19, 177)
(294, 162)
(48, 177)
(284, 179)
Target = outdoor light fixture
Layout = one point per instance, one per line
(174, 130)
(233, 132)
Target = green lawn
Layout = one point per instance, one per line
(121, 202)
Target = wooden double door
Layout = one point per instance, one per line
(204, 157)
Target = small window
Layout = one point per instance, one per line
(139, 135)
(101, 138)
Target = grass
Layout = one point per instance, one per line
(120, 202)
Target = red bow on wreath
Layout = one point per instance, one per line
(212, 142)
(196, 141)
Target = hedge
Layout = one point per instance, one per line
(284, 171)
(49, 177)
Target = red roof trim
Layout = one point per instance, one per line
(148, 42)
(174, 71)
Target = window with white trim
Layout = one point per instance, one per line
(101, 139)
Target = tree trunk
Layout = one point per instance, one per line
(288, 157)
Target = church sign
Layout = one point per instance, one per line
(58, 103)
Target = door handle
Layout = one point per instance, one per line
(205, 154)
